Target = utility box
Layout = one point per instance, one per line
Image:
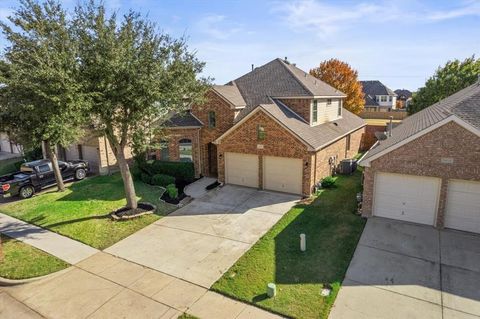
(347, 166)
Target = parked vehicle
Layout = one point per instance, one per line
(37, 175)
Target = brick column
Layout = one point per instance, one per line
(442, 204)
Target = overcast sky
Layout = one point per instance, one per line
(400, 43)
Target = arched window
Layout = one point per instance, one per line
(185, 150)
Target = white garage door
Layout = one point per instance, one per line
(282, 174)
(463, 206)
(241, 169)
(406, 197)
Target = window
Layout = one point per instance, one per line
(315, 111)
(185, 150)
(390, 99)
(211, 119)
(383, 98)
(261, 133)
(329, 101)
(339, 109)
(44, 168)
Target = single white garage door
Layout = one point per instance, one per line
(406, 197)
(241, 169)
(282, 174)
(463, 206)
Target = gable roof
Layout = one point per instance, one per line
(374, 88)
(230, 93)
(403, 93)
(182, 120)
(463, 105)
(280, 79)
(315, 137)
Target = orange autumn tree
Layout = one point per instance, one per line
(341, 76)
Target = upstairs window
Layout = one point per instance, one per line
(339, 113)
(211, 119)
(315, 111)
(390, 99)
(383, 98)
(329, 101)
(260, 132)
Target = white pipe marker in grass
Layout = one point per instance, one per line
(303, 242)
(271, 290)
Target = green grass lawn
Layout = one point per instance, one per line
(7, 166)
(332, 231)
(82, 211)
(22, 261)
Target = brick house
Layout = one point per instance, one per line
(275, 128)
(432, 162)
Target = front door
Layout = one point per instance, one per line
(212, 159)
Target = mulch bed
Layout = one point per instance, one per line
(125, 213)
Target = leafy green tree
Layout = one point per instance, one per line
(452, 77)
(136, 77)
(41, 98)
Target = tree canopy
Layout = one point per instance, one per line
(341, 76)
(448, 79)
(135, 77)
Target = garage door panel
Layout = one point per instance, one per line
(283, 174)
(406, 197)
(463, 206)
(241, 169)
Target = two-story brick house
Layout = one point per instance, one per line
(275, 128)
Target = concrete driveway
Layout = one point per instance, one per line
(402, 270)
(201, 241)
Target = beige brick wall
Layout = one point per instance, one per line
(108, 160)
(422, 157)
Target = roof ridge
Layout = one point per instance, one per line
(294, 76)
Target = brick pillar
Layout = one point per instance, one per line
(368, 188)
(442, 204)
(260, 171)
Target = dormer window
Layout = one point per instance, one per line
(329, 101)
(315, 111)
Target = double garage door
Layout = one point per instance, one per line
(280, 174)
(415, 199)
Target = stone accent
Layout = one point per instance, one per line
(423, 157)
(299, 106)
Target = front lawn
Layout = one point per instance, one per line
(332, 231)
(22, 261)
(82, 211)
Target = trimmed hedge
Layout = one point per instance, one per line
(146, 178)
(180, 170)
(162, 180)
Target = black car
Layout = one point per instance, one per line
(37, 175)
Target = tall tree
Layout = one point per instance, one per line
(136, 76)
(341, 76)
(452, 77)
(41, 97)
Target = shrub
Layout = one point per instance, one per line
(163, 180)
(172, 191)
(328, 182)
(146, 178)
(179, 170)
(18, 164)
(136, 172)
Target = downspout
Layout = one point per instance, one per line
(106, 154)
(315, 171)
(199, 154)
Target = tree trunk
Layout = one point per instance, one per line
(52, 156)
(127, 178)
(1, 249)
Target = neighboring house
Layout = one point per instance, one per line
(275, 128)
(428, 171)
(8, 146)
(404, 98)
(378, 97)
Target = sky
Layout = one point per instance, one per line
(399, 42)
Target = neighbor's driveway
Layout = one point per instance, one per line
(401, 270)
(201, 241)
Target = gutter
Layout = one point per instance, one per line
(359, 161)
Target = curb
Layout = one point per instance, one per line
(5, 282)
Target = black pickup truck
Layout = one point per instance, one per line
(36, 175)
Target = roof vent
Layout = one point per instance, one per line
(253, 66)
(286, 60)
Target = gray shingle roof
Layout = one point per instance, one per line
(465, 104)
(231, 93)
(183, 120)
(374, 88)
(403, 93)
(315, 136)
(279, 79)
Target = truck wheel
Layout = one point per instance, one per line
(26, 191)
(80, 174)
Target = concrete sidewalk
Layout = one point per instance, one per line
(62, 247)
(198, 189)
